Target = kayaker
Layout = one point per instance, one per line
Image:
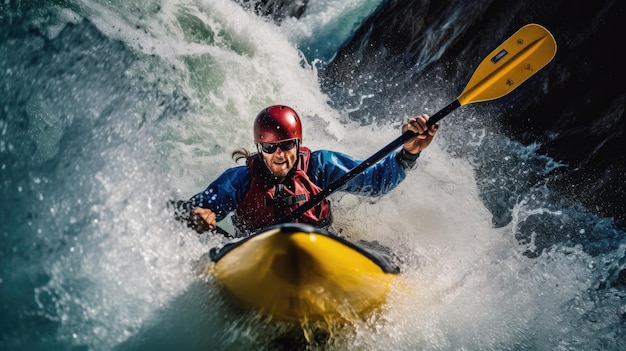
(283, 174)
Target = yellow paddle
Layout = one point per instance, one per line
(504, 69)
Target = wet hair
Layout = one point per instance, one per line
(241, 153)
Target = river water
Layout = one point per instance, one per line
(110, 109)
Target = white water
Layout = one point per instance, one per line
(117, 262)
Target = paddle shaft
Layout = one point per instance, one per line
(223, 231)
(503, 70)
(341, 181)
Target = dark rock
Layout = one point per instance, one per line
(277, 10)
(574, 108)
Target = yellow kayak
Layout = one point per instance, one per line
(299, 273)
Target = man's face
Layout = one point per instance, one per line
(280, 157)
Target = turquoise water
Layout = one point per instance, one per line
(110, 109)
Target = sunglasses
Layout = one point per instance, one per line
(270, 148)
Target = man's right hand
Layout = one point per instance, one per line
(202, 220)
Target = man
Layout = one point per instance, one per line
(284, 174)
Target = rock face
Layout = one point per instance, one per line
(276, 9)
(575, 110)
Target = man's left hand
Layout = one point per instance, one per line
(424, 135)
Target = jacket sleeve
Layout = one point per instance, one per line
(224, 194)
(327, 166)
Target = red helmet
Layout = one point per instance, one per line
(276, 123)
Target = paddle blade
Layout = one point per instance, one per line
(510, 64)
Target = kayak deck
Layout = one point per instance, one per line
(297, 272)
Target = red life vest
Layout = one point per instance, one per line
(270, 198)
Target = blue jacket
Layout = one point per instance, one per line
(223, 195)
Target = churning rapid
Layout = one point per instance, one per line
(111, 109)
